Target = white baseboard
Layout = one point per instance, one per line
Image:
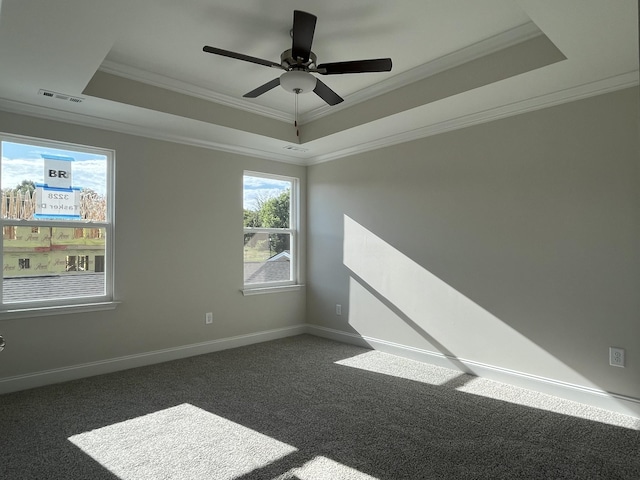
(74, 372)
(586, 395)
(577, 393)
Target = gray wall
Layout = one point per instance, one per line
(514, 244)
(178, 255)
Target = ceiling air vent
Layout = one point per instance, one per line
(295, 148)
(60, 96)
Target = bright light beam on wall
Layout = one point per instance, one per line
(394, 298)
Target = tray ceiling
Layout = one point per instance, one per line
(138, 67)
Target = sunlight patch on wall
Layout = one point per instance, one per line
(183, 442)
(396, 299)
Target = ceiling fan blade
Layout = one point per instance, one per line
(262, 89)
(355, 66)
(240, 56)
(304, 26)
(325, 93)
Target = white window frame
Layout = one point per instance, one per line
(293, 230)
(73, 304)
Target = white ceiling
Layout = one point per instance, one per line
(139, 68)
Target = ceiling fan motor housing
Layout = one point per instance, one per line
(290, 63)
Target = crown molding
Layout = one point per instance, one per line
(178, 86)
(600, 87)
(490, 45)
(84, 120)
(509, 38)
(607, 85)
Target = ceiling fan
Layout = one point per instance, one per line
(299, 62)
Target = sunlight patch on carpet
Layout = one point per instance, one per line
(400, 367)
(387, 364)
(542, 401)
(323, 468)
(183, 442)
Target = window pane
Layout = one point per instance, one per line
(52, 263)
(46, 183)
(267, 257)
(266, 202)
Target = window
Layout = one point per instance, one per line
(99, 263)
(270, 230)
(9, 232)
(57, 224)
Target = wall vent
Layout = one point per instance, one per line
(60, 96)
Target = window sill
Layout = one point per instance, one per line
(56, 310)
(263, 290)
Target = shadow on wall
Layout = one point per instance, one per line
(392, 297)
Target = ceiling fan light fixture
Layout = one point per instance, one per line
(297, 81)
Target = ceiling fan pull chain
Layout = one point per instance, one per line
(295, 118)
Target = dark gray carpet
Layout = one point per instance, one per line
(304, 408)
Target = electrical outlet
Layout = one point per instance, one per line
(616, 356)
(338, 309)
(208, 318)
